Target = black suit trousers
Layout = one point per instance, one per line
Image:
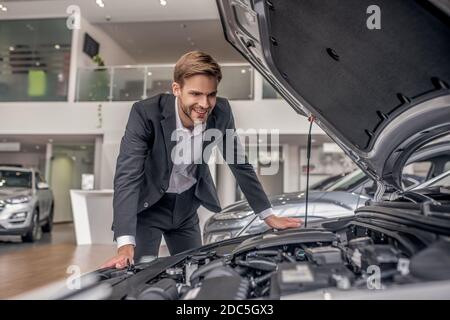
(175, 217)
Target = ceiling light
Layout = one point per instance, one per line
(163, 2)
(37, 147)
(149, 73)
(57, 46)
(4, 9)
(100, 3)
(11, 48)
(243, 71)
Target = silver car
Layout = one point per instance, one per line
(338, 198)
(26, 203)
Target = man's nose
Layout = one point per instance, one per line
(204, 102)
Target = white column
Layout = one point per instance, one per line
(74, 53)
(48, 160)
(98, 161)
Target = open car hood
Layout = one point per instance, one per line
(379, 94)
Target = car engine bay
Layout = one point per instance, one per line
(344, 255)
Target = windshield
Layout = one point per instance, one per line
(348, 182)
(15, 179)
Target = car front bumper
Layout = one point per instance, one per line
(15, 226)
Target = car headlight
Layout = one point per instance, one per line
(232, 215)
(219, 236)
(17, 200)
(19, 216)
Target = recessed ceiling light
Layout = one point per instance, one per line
(243, 71)
(100, 3)
(149, 73)
(163, 2)
(57, 46)
(11, 48)
(4, 9)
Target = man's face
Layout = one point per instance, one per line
(197, 98)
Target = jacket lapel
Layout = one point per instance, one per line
(168, 124)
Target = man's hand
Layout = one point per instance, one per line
(124, 255)
(283, 222)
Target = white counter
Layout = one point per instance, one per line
(92, 216)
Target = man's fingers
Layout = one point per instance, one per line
(122, 263)
(293, 224)
(110, 263)
(116, 262)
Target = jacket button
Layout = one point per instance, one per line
(145, 204)
(161, 190)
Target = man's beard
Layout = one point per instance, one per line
(187, 110)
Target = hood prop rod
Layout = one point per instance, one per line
(311, 119)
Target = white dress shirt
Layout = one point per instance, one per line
(186, 154)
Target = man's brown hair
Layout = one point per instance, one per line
(193, 63)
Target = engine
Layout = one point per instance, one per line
(275, 268)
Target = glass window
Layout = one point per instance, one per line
(418, 170)
(269, 92)
(237, 83)
(348, 182)
(34, 60)
(128, 84)
(159, 80)
(15, 179)
(447, 166)
(93, 84)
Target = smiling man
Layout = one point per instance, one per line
(155, 192)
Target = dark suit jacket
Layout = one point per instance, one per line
(144, 163)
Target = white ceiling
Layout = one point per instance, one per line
(118, 10)
(166, 41)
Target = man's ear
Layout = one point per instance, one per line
(176, 89)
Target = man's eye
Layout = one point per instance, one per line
(195, 94)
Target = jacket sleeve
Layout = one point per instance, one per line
(129, 173)
(243, 171)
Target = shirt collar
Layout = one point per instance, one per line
(197, 128)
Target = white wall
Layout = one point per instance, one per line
(26, 159)
(110, 51)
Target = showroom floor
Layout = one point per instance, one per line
(26, 266)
